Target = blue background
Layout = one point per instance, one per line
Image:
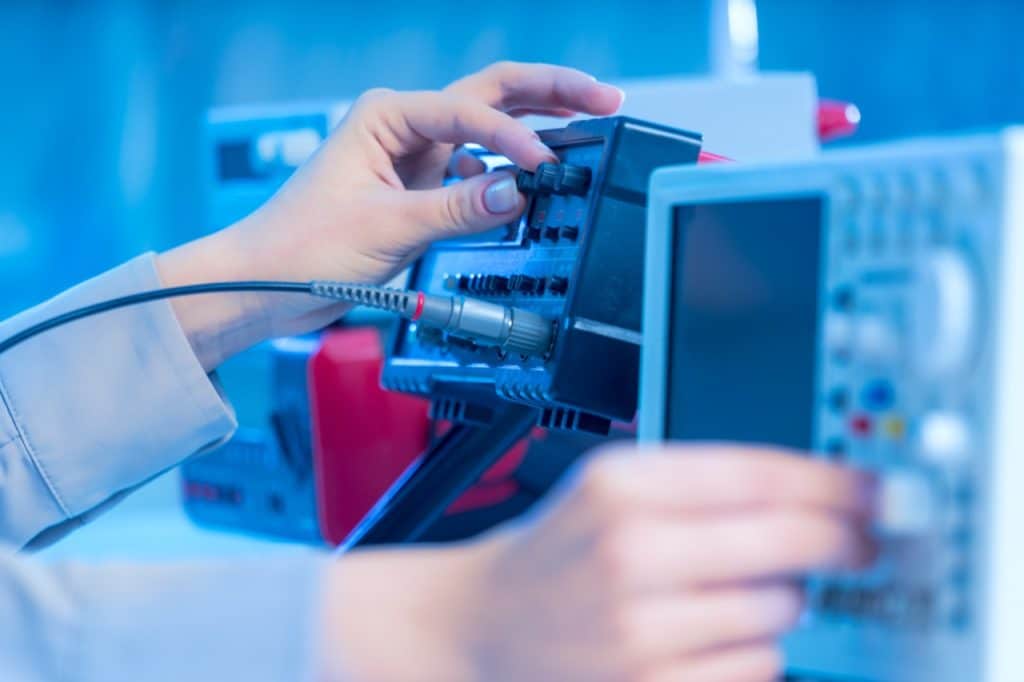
(103, 102)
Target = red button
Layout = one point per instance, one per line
(860, 426)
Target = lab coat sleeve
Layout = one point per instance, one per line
(243, 619)
(97, 407)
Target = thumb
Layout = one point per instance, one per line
(471, 205)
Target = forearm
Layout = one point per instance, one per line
(218, 325)
(252, 619)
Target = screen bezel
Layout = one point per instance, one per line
(672, 188)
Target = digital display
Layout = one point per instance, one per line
(744, 322)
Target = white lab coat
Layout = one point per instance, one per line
(87, 413)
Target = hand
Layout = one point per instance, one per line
(371, 199)
(675, 563)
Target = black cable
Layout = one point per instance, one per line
(147, 296)
(490, 324)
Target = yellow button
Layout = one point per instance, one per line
(894, 428)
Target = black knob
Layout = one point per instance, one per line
(554, 178)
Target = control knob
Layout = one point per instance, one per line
(554, 178)
(944, 318)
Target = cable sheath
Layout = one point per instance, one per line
(146, 297)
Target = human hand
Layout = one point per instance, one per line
(674, 563)
(371, 198)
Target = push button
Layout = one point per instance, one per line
(875, 340)
(945, 437)
(558, 285)
(861, 425)
(839, 336)
(878, 395)
(838, 399)
(907, 505)
(894, 428)
(523, 283)
(843, 299)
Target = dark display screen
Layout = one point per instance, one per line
(744, 322)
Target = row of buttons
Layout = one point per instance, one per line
(862, 426)
(942, 437)
(498, 285)
(962, 184)
(866, 337)
(876, 396)
(905, 606)
(918, 607)
(553, 234)
(900, 240)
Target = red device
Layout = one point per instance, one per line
(364, 437)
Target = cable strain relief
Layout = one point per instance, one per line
(398, 301)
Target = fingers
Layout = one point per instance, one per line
(407, 120)
(471, 205)
(464, 165)
(751, 663)
(527, 111)
(686, 624)
(511, 86)
(652, 556)
(709, 478)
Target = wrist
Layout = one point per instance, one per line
(405, 614)
(218, 325)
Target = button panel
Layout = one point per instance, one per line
(899, 389)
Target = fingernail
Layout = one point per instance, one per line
(622, 95)
(502, 196)
(544, 148)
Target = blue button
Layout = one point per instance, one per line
(878, 395)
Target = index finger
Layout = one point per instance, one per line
(511, 87)
(453, 119)
(678, 478)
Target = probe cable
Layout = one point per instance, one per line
(511, 330)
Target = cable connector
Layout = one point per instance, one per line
(513, 330)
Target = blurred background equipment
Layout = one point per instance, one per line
(111, 95)
(864, 306)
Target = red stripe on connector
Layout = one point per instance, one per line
(421, 300)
